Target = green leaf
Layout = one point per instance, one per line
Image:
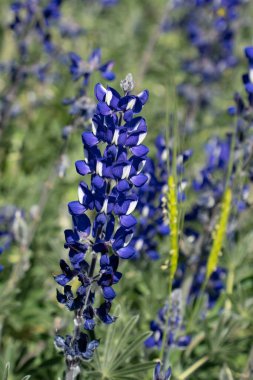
(6, 371)
(122, 339)
(225, 373)
(135, 369)
(125, 354)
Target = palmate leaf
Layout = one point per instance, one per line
(130, 372)
(121, 340)
(136, 368)
(223, 336)
(125, 354)
(117, 360)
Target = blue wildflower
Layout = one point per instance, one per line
(153, 222)
(13, 228)
(169, 322)
(113, 161)
(79, 68)
(159, 375)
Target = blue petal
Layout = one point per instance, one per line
(82, 223)
(128, 221)
(76, 208)
(126, 252)
(249, 53)
(143, 96)
(89, 324)
(62, 279)
(100, 92)
(109, 293)
(61, 298)
(139, 180)
(89, 139)
(140, 150)
(82, 168)
(103, 108)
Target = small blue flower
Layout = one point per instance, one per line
(82, 349)
(160, 375)
(13, 228)
(79, 68)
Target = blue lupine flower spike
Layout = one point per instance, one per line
(114, 157)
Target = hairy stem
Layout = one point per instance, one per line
(73, 368)
(72, 372)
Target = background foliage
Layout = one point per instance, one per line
(29, 154)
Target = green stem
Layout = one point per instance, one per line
(197, 306)
(193, 368)
(229, 286)
(163, 353)
(151, 44)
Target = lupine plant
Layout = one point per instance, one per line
(32, 25)
(114, 171)
(155, 276)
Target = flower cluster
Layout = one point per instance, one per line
(210, 27)
(209, 186)
(79, 68)
(113, 160)
(213, 37)
(33, 24)
(13, 228)
(37, 18)
(169, 322)
(81, 107)
(153, 221)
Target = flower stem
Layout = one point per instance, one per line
(229, 286)
(163, 353)
(151, 44)
(197, 305)
(72, 372)
(193, 368)
(73, 369)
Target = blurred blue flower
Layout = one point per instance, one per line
(153, 222)
(170, 322)
(159, 375)
(80, 68)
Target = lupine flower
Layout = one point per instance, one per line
(215, 285)
(170, 322)
(210, 186)
(13, 228)
(79, 68)
(212, 38)
(159, 375)
(30, 13)
(32, 24)
(153, 222)
(113, 160)
(81, 106)
(210, 27)
(82, 349)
